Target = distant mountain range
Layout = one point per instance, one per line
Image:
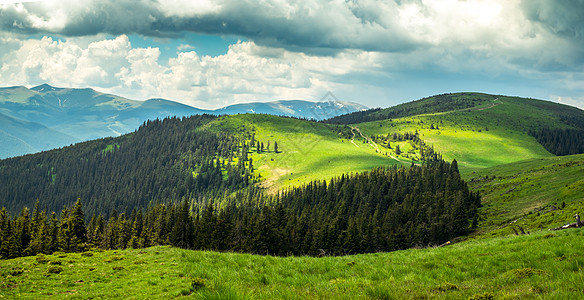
(46, 117)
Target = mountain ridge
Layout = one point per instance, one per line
(86, 114)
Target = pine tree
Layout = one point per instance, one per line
(77, 226)
(182, 231)
(137, 239)
(21, 234)
(39, 235)
(53, 237)
(5, 233)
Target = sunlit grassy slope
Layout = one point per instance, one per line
(489, 131)
(495, 268)
(307, 151)
(490, 134)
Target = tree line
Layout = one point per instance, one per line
(560, 141)
(386, 209)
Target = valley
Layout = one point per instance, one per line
(257, 169)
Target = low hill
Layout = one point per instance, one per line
(495, 268)
(495, 130)
(307, 150)
(570, 116)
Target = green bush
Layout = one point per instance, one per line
(55, 269)
(41, 259)
(524, 273)
(485, 296)
(16, 271)
(446, 286)
(197, 283)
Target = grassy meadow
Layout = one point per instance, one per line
(527, 189)
(307, 151)
(485, 136)
(546, 265)
(493, 133)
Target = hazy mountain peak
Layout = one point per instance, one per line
(45, 88)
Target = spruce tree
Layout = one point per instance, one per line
(77, 225)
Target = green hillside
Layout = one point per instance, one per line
(477, 130)
(530, 189)
(308, 151)
(490, 139)
(496, 268)
(491, 133)
(524, 188)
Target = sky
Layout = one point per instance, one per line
(379, 53)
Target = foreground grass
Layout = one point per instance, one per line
(153, 272)
(544, 265)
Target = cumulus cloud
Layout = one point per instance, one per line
(496, 27)
(246, 72)
(295, 49)
(303, 25)
(65, 63)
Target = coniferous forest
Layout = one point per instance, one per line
(172, 182)
(560, 141)
(163, 161)
(382, 210)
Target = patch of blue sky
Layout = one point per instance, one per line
(39, 36)
(210, 45)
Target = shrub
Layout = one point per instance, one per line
(87, 253)
(197, 283)
(485, 296)
(60, 254)
(16, 271)
(524, 273)
(446, 286)
(55, 269)
(114, 258)
(41, 259)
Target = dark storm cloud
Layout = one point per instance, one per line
(564, 18)
(304, 26)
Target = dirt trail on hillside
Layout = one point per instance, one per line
(370, 142)
(353, 137)
(492, 105)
